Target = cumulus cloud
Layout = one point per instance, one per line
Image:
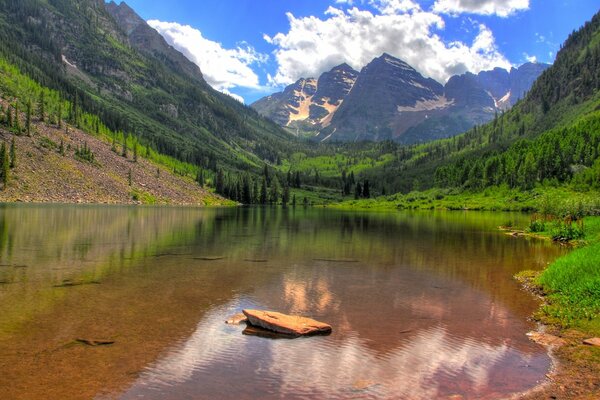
(501, 8)
(398, 27)
(223, 68)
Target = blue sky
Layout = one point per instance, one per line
(251, 48)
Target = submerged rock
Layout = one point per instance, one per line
(592, 342)
(236, 319)
(286, 324)
(265, 333)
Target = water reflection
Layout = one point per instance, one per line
(423, 305)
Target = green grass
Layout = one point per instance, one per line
(573, 286)
(490, 199)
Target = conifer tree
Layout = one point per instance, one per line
(8, 118)
(42, 107)
(28, 119)
(263, 192)
(13, 154)
(4, 165)
(124, 150)
(59, 114)
(274, 189)
(61, 149)
(130, 177)
(17, 120)
(135, 152)
(200, 177)
(358, 191)
(366, 190)
(285, 197)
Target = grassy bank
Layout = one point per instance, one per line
(491, 199)
(572, 284)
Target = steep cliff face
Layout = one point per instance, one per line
(309, 104)
(144, 38)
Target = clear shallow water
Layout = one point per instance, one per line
(423, 305)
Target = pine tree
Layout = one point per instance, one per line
(13, 154)
(130, 177)
(28, 118)
(17, 120)
(266, 174)
(358, 191)
(8, 119)
(274, 195)
(61, 149)
(366, 190)
(220, 182)
(42, 107)
(200, 177)
(285, 197)
(297, 180)
(135, 152)
(4, 165)
(294, 200)
(59, 114)
(263, 192)
(124, 150)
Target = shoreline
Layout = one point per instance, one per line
(575, 366)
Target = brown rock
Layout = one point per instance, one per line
(592, 342)
(236, 319)
(286, 324)
(545, 339)
(264, 333)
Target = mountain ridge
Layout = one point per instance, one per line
(389, 99)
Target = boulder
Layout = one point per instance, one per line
(545, 339)
(592, 342)
(286, 324)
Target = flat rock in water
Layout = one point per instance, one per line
(286, 324)
(251, 330)
(545, 339)
(592, 342)
(236, 319)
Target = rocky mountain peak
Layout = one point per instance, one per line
(146, 39)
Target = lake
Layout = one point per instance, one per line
(423, 305)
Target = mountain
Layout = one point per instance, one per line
(551, 137)
(389, 99)
(309, 104)
(105, 59)
(144, 38)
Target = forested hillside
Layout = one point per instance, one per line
(77, 48)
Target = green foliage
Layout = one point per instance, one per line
(84, 153)
(13, 154)
(573, 284)
(536, 225)
(4, 166)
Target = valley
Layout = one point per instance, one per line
(350, 181)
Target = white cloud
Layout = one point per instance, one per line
(399, 27)
(222, 68)
(531, 59)
(235, 96)
(501, 8)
